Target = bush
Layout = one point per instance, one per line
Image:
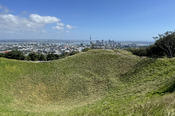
(73, 53)
(138, 51)
(42, 57)
(52, 56)
(151, 51)
(86, 49)
(154, 51)
(1, 55)
(15, 54)
(33, 56)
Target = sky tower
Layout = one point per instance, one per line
(91, 41)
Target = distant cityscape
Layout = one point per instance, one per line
(62, 46)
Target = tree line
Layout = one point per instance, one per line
(15, 54)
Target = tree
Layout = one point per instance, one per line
(41, 57)
(1, 55)
(52, 56)
(64, 54)
(166, 43)
(15, 54)
(33, 56)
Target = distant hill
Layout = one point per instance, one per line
(93, 83)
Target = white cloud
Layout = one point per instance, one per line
(13, 23)
(9, 18)
(69, 26)
(44, 19)
(59, 26)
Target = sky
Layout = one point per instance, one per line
(120, 20)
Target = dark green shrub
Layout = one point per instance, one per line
(86, 49)
(15, 54)
(73, 53)
(33, 56)
(138, 51)
(1, 55)
(154, 51)
(42, 57)
(52, 56)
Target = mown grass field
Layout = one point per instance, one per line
(93, 83)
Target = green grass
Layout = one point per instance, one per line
(93, 83)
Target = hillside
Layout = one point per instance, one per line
(97, 82)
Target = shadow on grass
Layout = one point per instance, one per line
(145, 62)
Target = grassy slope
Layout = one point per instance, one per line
(98, 82)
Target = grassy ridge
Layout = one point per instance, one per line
(142, 92)
(98, 82)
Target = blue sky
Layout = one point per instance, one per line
(122, 20)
